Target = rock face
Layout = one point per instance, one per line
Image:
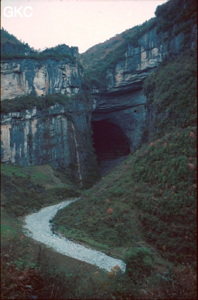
(29, 76)
(123, 102)
(134, 67)
(56, 136)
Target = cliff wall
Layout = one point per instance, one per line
(29, 76)
(122, 100)
(59, 135)
(44, 130)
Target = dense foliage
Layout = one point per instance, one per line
(40, 56)
(8, 37)
(43, 102)
(28, 102)
(174, 21)
(144, 210)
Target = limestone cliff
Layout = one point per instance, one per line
(44, 130)
(26, 71)
(59, 135)
(29, 76)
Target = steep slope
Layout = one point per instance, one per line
(171, 92)
(102, 57)
(11, 47)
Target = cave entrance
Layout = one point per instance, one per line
(110, 143)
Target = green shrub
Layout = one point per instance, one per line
(12, 48)
(139, 263)
(28, 102)
(172, 20)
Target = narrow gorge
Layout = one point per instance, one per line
(115, 129)
(102, 112)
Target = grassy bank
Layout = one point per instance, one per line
(145, 213)
(152, 195)
(25, 189)
(27, 268)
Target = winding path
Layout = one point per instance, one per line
(39, 228)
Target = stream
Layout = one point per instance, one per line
(38, 227)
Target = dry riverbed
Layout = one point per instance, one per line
(39, 228)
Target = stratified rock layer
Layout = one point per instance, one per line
(40, 78)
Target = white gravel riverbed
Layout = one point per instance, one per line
(39, 228)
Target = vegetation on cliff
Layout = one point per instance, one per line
(171, 93)
(98, 59)
(169, 22)
(12, 48)
(23, 103)
(7, 37)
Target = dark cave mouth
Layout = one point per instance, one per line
(109, 141)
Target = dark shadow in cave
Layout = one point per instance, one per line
(109, 141)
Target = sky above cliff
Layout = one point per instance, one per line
(47, 23)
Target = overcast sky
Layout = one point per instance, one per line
(47, 23)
